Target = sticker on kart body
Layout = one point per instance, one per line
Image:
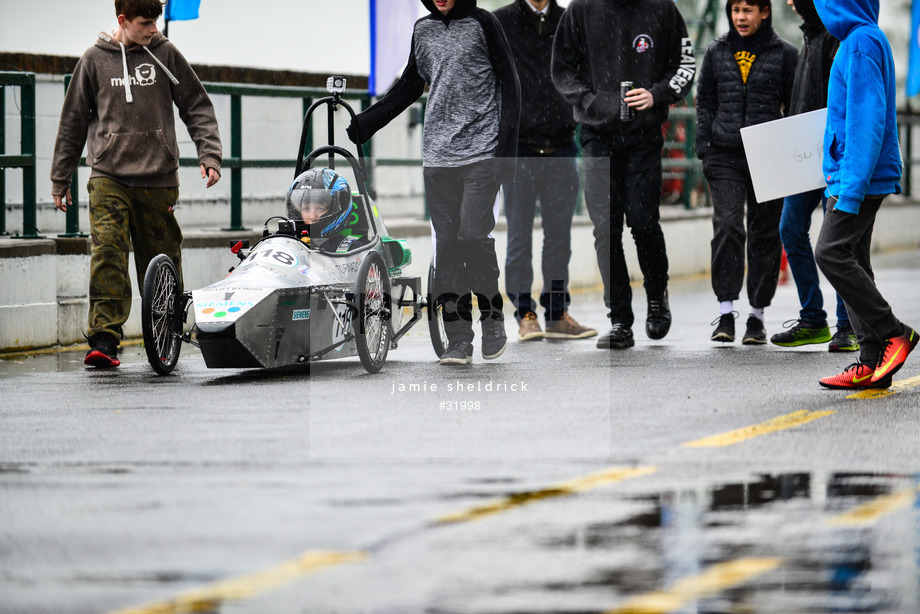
(220, 305)
(310, 274)
(349, 267)
(339, 334)
(274, 255)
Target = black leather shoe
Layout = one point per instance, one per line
(618, 337)
(658, 322)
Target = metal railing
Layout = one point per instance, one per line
(235, 162)
(685, 168)
(26, 157)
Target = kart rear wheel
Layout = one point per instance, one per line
(158, 314)
(435, 316)
(372, 289)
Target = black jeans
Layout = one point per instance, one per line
(730, 184)
(842, 253)
(623, 180)
(462, 205)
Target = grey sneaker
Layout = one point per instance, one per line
(460, 353)
(494, 339)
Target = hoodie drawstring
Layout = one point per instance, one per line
(127, 78)
(166, 70)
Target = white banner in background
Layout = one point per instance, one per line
(391, 35)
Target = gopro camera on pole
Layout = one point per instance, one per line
(335, 85)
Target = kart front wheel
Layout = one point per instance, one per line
(435, 316)
(159, 316)
(372, 336)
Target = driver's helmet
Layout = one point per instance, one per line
(321, 199)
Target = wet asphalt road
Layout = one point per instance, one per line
(586, 480)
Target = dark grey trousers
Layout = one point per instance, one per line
(730, 184)
(842, 253)
(461, 203)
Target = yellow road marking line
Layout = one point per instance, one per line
(209, 597)
(779, 423)
(711, 581)
(896, 387)
(609, 476)
(76, 347)
(869, 512)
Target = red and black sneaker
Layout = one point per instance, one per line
(103, 352)
(895, 353)
(857, 376)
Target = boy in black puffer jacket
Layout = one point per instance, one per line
(746, 79)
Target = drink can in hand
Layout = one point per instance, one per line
(627, 113)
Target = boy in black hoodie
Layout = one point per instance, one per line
(468, 149)
(599, 44)
(746, 79)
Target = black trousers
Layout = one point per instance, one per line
(461, 203)
(730, 184)
(842, 253)
(623, 181)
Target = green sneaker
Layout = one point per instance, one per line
(802, 333)
(844, 341)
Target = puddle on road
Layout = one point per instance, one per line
(829, 560)
(61, 360)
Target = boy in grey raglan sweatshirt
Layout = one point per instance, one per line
(469, 148)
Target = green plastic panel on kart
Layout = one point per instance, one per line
(397, 253)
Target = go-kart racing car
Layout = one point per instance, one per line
(302, 293)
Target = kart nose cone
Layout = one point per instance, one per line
(221, 349)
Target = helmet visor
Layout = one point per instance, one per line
(310, 205)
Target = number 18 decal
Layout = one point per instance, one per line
(274, 255)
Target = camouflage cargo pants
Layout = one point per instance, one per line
(120, 216)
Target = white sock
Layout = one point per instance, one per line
(726, 307)
(757, 312)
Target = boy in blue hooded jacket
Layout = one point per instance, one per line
(862, 165)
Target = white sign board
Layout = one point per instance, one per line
(785, 155)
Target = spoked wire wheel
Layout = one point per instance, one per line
(435, 316)
(158, 314)
(373, 294)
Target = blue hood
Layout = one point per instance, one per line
(840, 17)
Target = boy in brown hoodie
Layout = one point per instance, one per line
(119, 104)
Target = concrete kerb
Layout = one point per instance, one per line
(44, 281)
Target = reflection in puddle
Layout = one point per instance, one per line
(867, 565)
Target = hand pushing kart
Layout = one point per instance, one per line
(326, 281)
